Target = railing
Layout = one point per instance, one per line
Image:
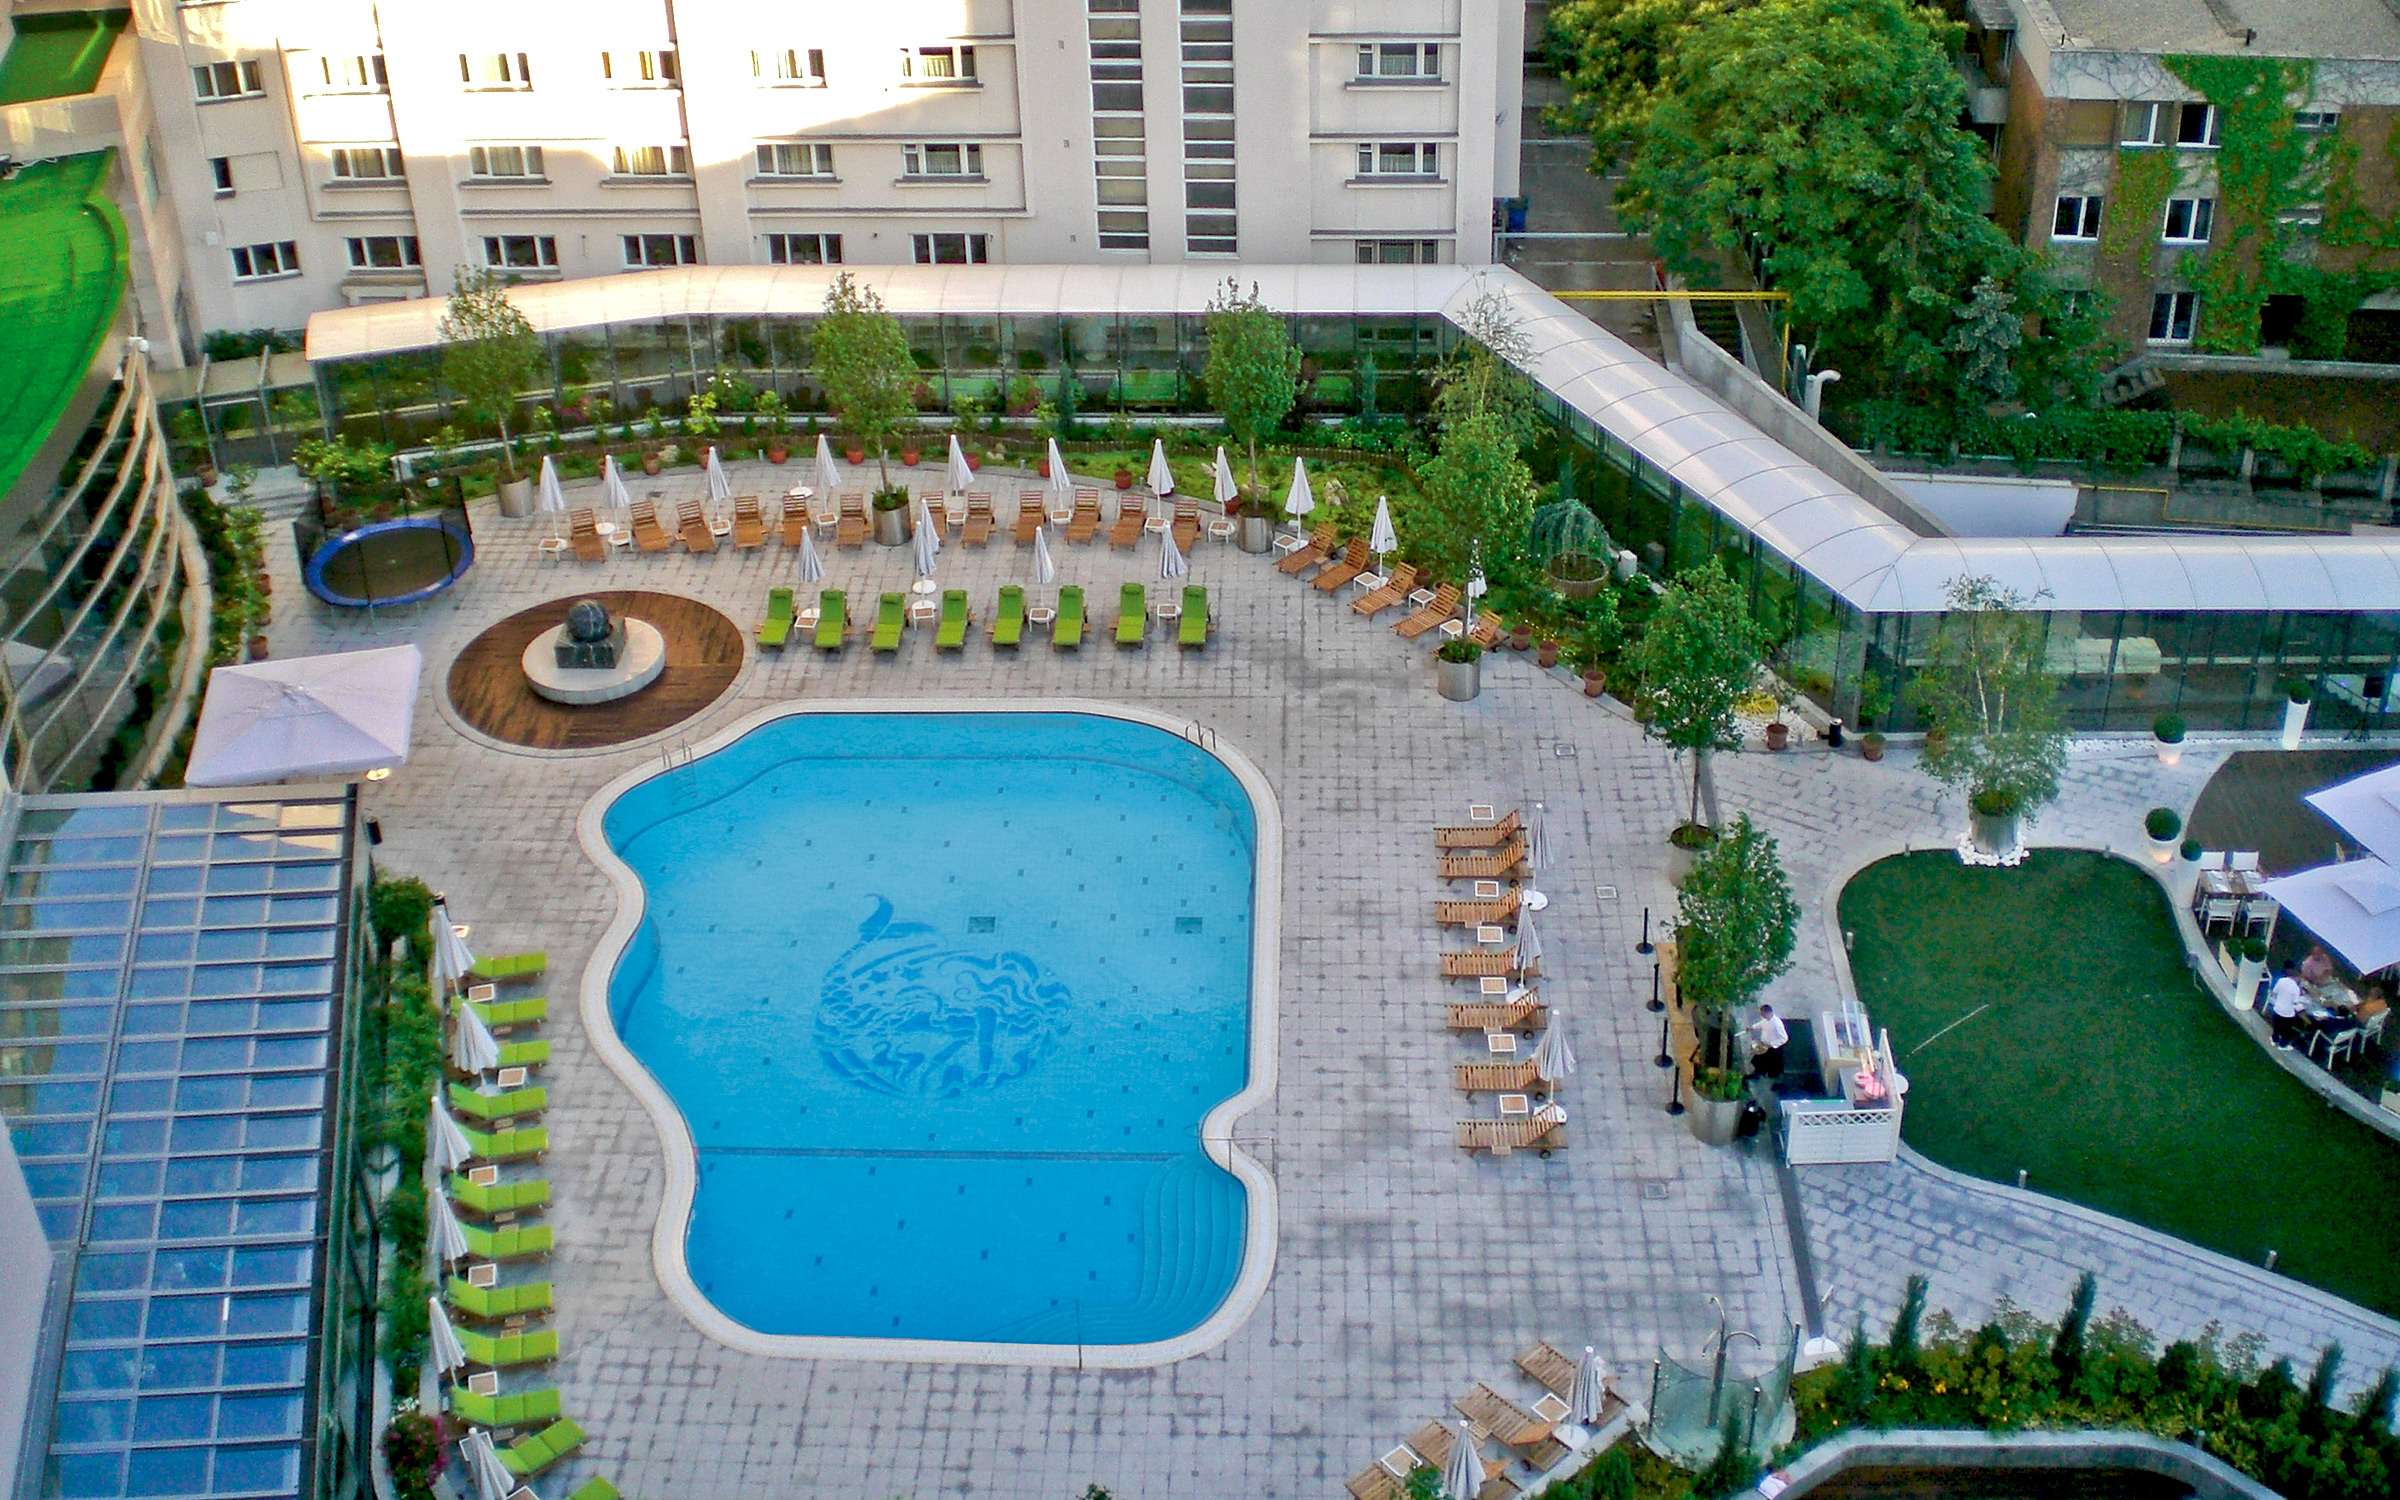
(1818, 1132)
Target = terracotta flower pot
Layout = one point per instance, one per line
(1871, 746)
(258, 648)
(777, 453)
(855, 455)
(974, 464)
(1041, 466)
(652, 463)
(1521, 638)
(1545, 655)
(1595, 683)
(1124, 479)
(909, 457)
(1779, 734)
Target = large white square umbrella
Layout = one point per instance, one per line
(2368, 809)
(306, 716)
(929, 546)
(720, 488)
(2353, 908)
(472, 1045)
(1171, 562)
(962, 473)
(448, 1353)
(1162, 477)
(1591, 1389)
(1045, 568)
(444, 1141)
(1381, 540)
(828, 475)
(1553, 1059)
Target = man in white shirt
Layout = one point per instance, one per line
(1768, 1037)
(2286, 1004)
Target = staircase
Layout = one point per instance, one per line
(1721, 323)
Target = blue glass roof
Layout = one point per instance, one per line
(168, 988)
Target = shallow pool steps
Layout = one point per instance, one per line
(1192, 1221)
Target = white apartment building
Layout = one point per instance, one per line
(316, 152)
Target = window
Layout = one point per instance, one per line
(941, 159)
(504, 161)
(226, 80)
(220, 171)
(2077, 218)
(521, 252)
(653, 161)
(366, 163)
(2171, 316)
(384, 252)
(2316, 121)
(662, 250)
(1399, 252)
(1399, 159)
(2145, 125)
(354, 71)
(1205, 31)
(258, 262)
(938, 65)
(627, 69)
(795, 159)
(1400, 60)
(789, 67)
(2196, 125)
(804, 249)
(494, 70)
(2188, 220)
(952, 249)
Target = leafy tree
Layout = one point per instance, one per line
(1735, 924)
(1253, 370)
(1699, 654)
(862, 355)
(1989, 333)
(1613, 56)
(490, 353)
(1477, 496)
(1987, 691)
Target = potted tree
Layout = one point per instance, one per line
(1571, 547)
(770, 411)
(2169, 730)
(2295, 712)
(1695, 659)
(1874, 701)
(1253, 370)
(1594, 641)
(1735, 923)
(1987, 686)
(2164, 825)
(871, 380)
(1256, 521)
(1458, 670)
(490, 354)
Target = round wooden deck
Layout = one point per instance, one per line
(488, 687)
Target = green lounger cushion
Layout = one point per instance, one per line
(1067, 630)
(504, 1350)
(891, 616)
(776, 628)
(1008, 622)
(523, 1012)
(478, 1106)
(512, 1243)
(833, 619)
(506, 1145)
(1195, 616)
(951, 635)
(528, 1456)
(523, 1054)
(504, 966)
(490, 1302)
(1133, 614)
(500, 1197)
(595, 1488)
(520, 1410)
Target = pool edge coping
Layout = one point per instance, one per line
(1261, 1229)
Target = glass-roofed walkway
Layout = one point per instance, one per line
(176, 1023)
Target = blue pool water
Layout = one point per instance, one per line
(944, 999)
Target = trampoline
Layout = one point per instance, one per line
(392, 562)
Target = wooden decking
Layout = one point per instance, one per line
(488, 687)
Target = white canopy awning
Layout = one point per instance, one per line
(2353, 908)
(2368, 809)
(306, 716)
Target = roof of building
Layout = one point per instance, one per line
(59, 289)
(1872, 561)
(58, 55)
(2261, 28)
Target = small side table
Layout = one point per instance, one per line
(622, 538)
(1221, 530)
(605, 528)
(1453, 629)
(1168, 612)
(1501, 1043)
(1285, 546)
(1156, 524)
(1516, 1106)
(923, 612)
(1493, 984)
(1490, 934)
(1421, 597)
(553, 547)
(808, 618)
(1368, 583)
(720, 528)
(1041, 614)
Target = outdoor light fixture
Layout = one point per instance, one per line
(380, 773)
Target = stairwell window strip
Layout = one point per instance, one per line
(635, 69)
(951, 65)
(788, 67)
(227, 80)
(795, 159)
(2077, 217)
(521, 252)
(651, 161)
(662, 249)
(1120, 167)
(384, 252)
(2189, 220)
(804, 249)
(519, 162)
(952, 249)
(1399, 159)
(2172, 315)
(264, 261)
(366, 163)
(1418, 62)
(941, 159)
(1206, 36)
(495, 70)
(1399, 252)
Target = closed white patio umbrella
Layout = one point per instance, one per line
(1226, 489)
(613, 478)
(1537, 859)
(1301, 500)
(928, 547)
(1590, 1396)
(1529, 942)
(444, 1235)
(553, 499)
(1553, 1059)
(1061, 484)
(962, 474)
(1162, 477)
(1462, 1477)
(492, 1481)
(1382, 541)
(472, 1045)
(720, 488)
(828, 474)
(812, 566)
(453, 960)
(444, 1141)
(1171, 562)
(1045, 568)
(442, 1339)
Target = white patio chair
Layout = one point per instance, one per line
(2245, 861)
(2216, 909)
(2257, 912)
(2212, 859)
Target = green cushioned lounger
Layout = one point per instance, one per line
(515, 1242)
(506, 1145)
(1194, 631)
(891, 617)
(833, 619)
(1066, 632)
(502, 1013)
(528, 1456)
(505, 966)
(951, 634)
(498, 1197)
(776, 628)
(520, 1410)
(466, 1100)
(502, 1351)
(1008, 621)
(494, 1302)
(1133, 614)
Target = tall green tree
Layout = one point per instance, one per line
(1735, 926)
(490, 353)
(1613, 56)
(1699, 654)
(870, 377)
(1987, 689)
(1253, 370)
(1477, 491)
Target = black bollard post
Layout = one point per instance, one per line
(1645, 946)
(1656, 1004)
(1675, 1100)
(1664, 1060)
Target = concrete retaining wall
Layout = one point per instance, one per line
(2210, 1478)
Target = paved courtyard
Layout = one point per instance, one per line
(1406, 1271)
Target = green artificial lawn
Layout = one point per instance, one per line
(59, 287)
(58, 56)
(2105, 1071)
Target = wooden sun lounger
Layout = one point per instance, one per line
(1512, 1425)
(1377, 1481)
(583, 532)
(647, 533)
(1444, 605)
(1433, 1442)
(1318, 547)
(1500, 1137)
(1526, 1014)
(1084, 524)
(1187, 524)
(1484, 866)
(1355, 558)
(978, 530)
(1475, 913)
(1488, 630)
(1476, 965)
(691, 524)
(1395, 589)
(853, 532)
(1130, 519)
(748, 529)
(795, 520)
(1496, 1077)
(1480, 835)
(1029, 516)
(1551, 1367)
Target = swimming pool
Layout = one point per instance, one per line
(942, 1003)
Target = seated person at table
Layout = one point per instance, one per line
(2286, 1004)
(2317, 968)
(2374, 1002)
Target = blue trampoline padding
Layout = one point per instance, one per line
(314, 573)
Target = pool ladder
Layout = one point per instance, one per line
(1200, 734)
(672, 756)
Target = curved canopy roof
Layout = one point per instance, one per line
(1875, 563)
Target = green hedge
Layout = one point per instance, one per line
(2102, 439)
